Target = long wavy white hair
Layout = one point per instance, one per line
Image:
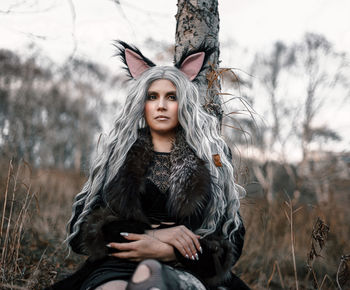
(202, 134)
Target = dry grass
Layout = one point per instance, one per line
(37, 205)
(286, 244)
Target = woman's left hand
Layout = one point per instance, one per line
(143, 247)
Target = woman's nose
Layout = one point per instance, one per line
(162, 103)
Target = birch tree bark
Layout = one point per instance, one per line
(198, 23)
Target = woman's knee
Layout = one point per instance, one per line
(141, 273)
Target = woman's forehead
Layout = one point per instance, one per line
(162, 84)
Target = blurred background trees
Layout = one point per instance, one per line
(296, 85)
(50, 115)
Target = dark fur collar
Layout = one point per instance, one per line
(189, 189)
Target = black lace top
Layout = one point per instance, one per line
(159, 171)
(154, 201)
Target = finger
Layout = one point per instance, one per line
(121, 246)
(198, 245)
(123, 255)
(131, 236)
(190, 244)
(181, 249)
(194, 238)
(185, 245)
(186, 242)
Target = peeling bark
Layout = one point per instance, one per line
(197, 23)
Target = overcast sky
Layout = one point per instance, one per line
(252, 24)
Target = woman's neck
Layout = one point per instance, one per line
(162, 142)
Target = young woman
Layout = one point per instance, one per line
(162, 192)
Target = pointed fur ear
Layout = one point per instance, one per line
(192, 65)
(193, 62)
(135, 63)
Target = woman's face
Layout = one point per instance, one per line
(161, 107)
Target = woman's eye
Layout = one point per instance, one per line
(151, 97)
(172, 97)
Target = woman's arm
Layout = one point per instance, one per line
(214, 257)
(99, 227)
(180, 237)
(142, 247)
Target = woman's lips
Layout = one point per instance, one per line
(162, 118)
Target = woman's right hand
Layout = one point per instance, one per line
(141, 247)
(180, 237)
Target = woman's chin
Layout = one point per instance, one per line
(163, 130)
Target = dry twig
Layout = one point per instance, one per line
(292, 237)
(275, 265)
(343, 273)
(318, 240)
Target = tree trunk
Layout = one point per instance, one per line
(198, 23)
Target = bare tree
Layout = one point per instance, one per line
(311, 65)
(268, 69)
(326, 80)
(324, 69)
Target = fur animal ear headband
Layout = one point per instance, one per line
(191, 63)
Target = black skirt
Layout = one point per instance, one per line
(94, 273)
(111, 269)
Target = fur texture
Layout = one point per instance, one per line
(189, 181)
(218, 257)
(103, 227)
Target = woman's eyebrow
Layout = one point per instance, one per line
(156, 93)
(152, 93)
